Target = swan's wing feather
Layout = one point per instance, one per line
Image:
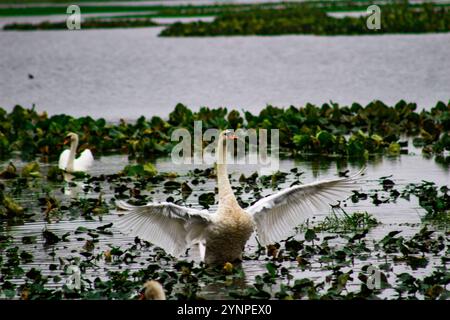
(84, 161)
(276, 215)
(167, 225)
(64, 159)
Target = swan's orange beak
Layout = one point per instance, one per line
(66, 140)
(232, 137)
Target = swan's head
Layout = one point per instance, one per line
(71, 137)
(228, 135)
(153, 290)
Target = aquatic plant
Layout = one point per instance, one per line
(341, 249)
(345, 222)
(310, 19)
(343, 258)
(86, 24)
(354, 131)
(252, 19)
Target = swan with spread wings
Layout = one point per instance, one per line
(221, 236)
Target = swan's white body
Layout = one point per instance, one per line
(222, 235)
(67, 161)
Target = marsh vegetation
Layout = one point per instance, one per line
(253, 19)
(355, 131)
(395, 18)
(49, 226)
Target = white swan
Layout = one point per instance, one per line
(67, 161)
(221, 236)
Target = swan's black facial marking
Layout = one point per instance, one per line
(69, 138)
(229, 134)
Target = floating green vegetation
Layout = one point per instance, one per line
(309, 19)
(252, 17)
(185, 280)
(87, 24)
(330, 129)
(147, 169)
(435, 200)
(340, 248)
(344, 222)
(111, 268)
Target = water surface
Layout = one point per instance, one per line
(127, 73)
(400, 215)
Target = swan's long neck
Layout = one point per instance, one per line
(226, 195)
(73, 151)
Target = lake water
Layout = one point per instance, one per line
(398, 215)
(127, 73)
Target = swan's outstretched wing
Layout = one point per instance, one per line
(167, 225)
(84, 161)
(277, 215)
(63, 159)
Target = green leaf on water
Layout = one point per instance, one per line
(272, 269)
(28, 239)
(206, 199)
(310, 235)
(81, 229)
(31, 170)
(106, 226)
(150, 170)
(416, 262)
(394, 148)
(50, 237)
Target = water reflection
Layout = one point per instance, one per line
(72, 188)
(220, 290)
